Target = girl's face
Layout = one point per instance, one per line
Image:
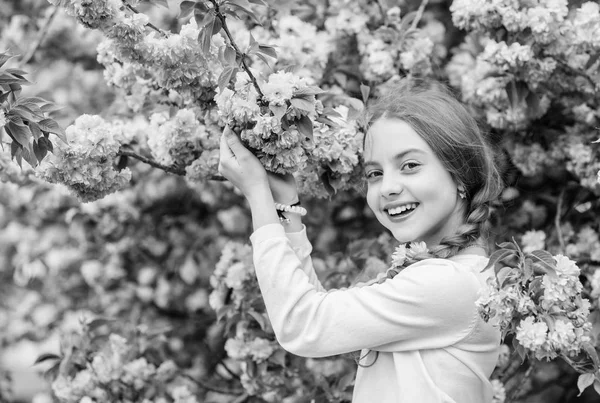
(409, 190)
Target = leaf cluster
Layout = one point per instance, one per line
(27, 122)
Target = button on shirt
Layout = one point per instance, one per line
(420, 334)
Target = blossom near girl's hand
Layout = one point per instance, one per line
(241, 167)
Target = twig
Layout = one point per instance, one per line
(205, 385)
(515, 392)
(151, 162)
(236, 48)
(229, 370)
(148, 24)
(419, 15)
(40, 37)
(559, 233)
(578, 73)
(166, 168)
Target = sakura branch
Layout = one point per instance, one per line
(419, 14)
(149, 24)
(40, 37)
(242, 55)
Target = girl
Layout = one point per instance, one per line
(430, 178)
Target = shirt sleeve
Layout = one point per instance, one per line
(428, 305)
(303, 248)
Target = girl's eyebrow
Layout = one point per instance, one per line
(398, 156)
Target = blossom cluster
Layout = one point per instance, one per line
(86, 164)
(278, 130)
(298, 43)
(177, 140)
(140, 62)
(119, 370)
(505, 79)
(336, 154)
(393, 48)
(540, 301)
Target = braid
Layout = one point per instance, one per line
(466, 235)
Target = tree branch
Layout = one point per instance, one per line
(149, 24)
(40, 37)
(151, 162)
(559, 233)
(419, 15)
(207, 386)
(237, 49)
(166, 168)
(517, 391)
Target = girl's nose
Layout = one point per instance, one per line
(391, 185)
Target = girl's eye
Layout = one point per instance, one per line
(372, 174)
(411, 166)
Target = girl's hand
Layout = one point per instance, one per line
(283, 188)
(240, 166)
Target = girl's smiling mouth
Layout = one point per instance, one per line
(399, 212)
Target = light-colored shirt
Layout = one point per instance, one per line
(432, 345)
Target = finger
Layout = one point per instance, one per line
(234, 143)
(224, 150)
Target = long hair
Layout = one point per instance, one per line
(448, 128)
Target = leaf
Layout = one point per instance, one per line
(16, 151)
(229, 54)
(252, 44)
(46, 357)
(263, 58)
(217, 25)
(496, 257)
(519, 349)
(310, 90)
(39, 150)
(35, 130)
(205, 36)
(584, 381)
(186, 8)
(268, 50)
(225, 77)
(365, 90)
(160, 3)
(278, 110)
(544, 257)
(96, 323)
(305, 127)
(504, 275)
(29, 155)
(27, 113)
(20, 134)
(259, 2)
(52, 372)
(262, 321)
(204, 20)
(327, 121)
(597, 386)
(303, 104)
(239, 11)
(49, 125)
(591, 352)
(507, 245)
(593, 59)
(4, 96)
(4, 57)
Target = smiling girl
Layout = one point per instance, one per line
(430, 178)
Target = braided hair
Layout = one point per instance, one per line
(448, 128)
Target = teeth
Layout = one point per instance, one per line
(398, 210)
